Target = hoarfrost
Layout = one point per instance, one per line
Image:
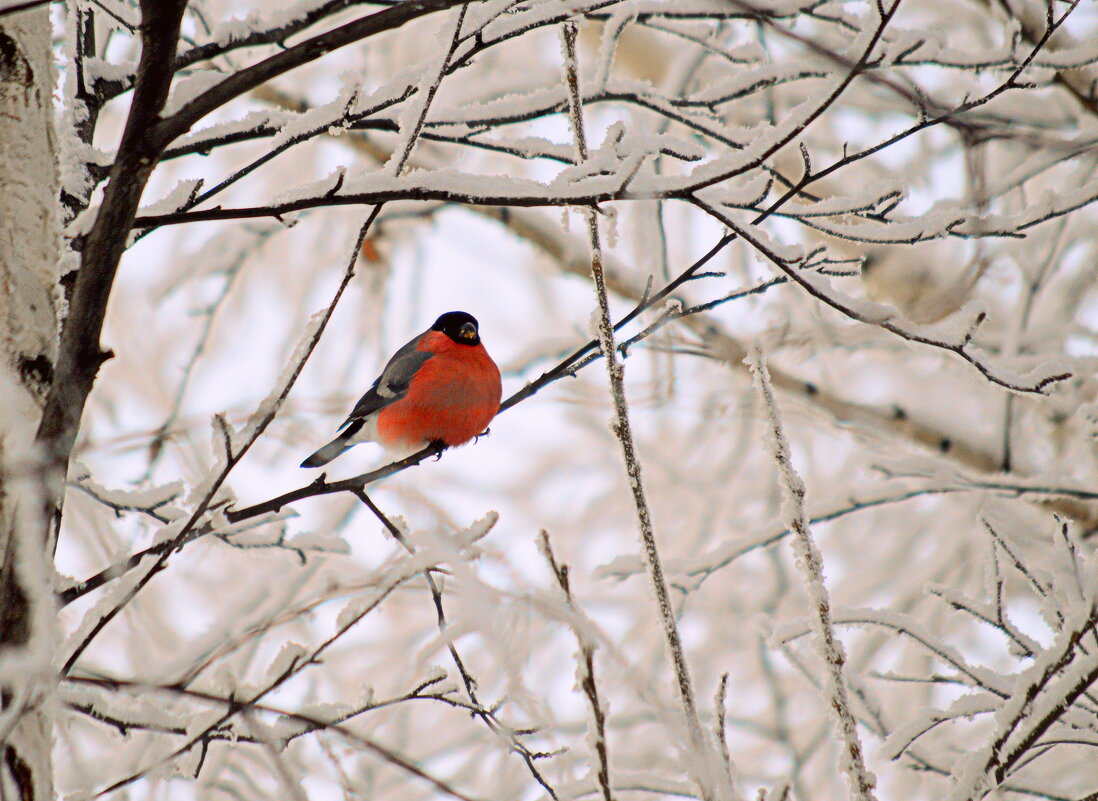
(190, 86)
(315, 541)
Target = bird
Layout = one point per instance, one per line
(441, 388)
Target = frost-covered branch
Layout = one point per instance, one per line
(230, 274)
(921, 760)
(80, 354)
(235, 446)
(859, 779)
(505, 733)
(1042, 694)
(883, 317)
(305, 724)
(125, 720)
(245, 80)
(622, 429)
(292, 662)
(586, 669)
(276, 29)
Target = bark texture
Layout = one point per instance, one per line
(29, 251)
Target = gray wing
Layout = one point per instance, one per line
(392, 384)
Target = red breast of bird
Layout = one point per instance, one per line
(441, 387)
(452, 397)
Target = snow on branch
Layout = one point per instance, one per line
(860, 781)
(948, 144)
(585, 669)
(1040, 697)
(229, 448)
(1037, 380)
(713, 782)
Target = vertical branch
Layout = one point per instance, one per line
(860, 780)
(718, 723)
(29, 249)
(623, 431)
(568, 33)
(587, 668)
(80, 354)
(210, 313)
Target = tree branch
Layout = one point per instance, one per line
(860, 780)
(80, 354)
(505, 733)
(623, 431)
(256, 425)
(243, 81)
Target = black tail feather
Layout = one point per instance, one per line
(327, 453)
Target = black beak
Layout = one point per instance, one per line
(468, 331)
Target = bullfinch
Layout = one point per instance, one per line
(441, 388)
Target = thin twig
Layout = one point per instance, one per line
(623, 431)
(718, 724)
(297, 666)
(586, 667)
(234, 706)
(417, 693)
(860, 780)
(233, 454)
(505, 733)
(169, 128)
(1019, 726)
(960, 348)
